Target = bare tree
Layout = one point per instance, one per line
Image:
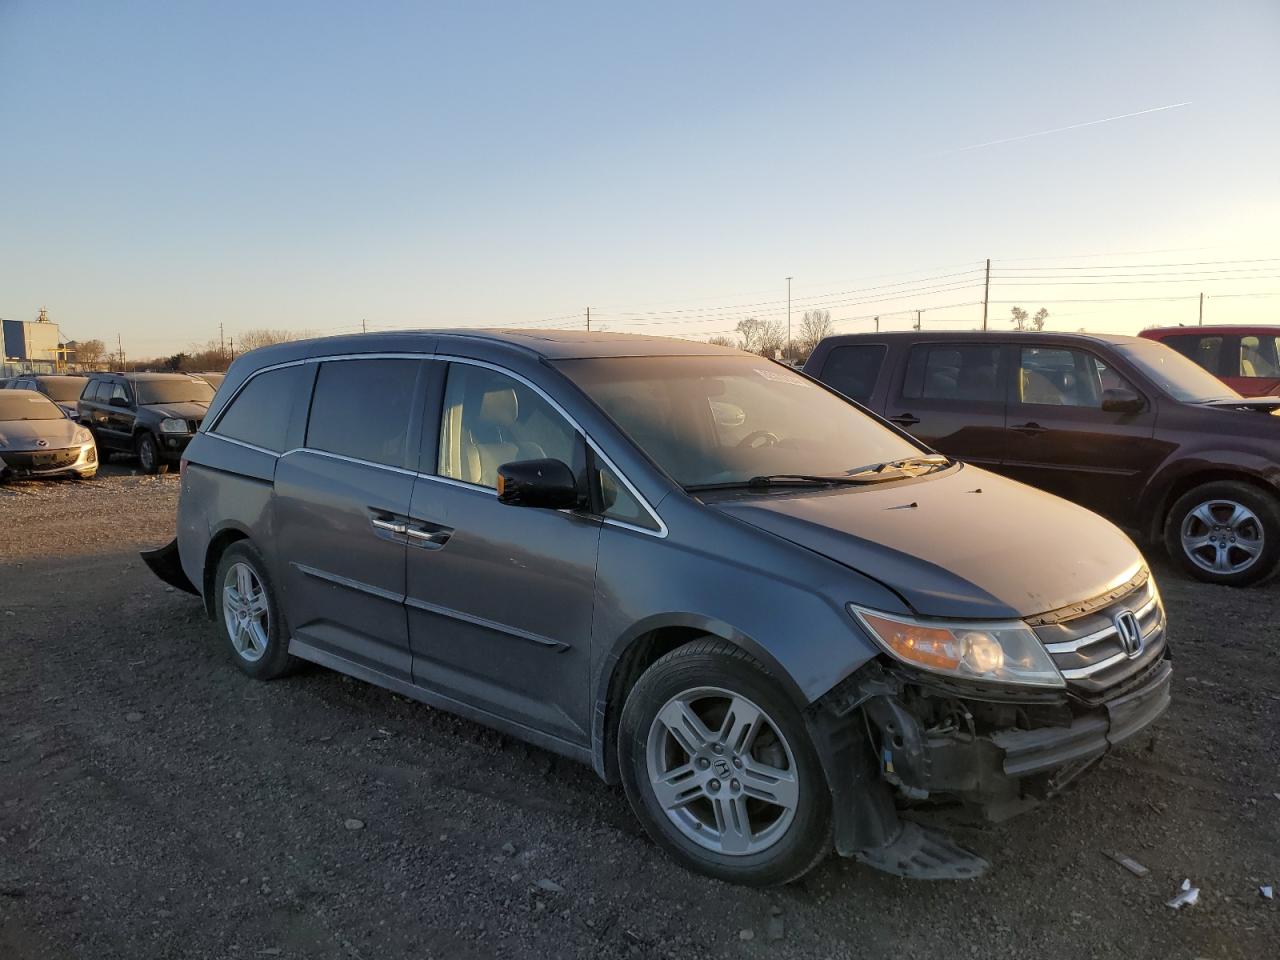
(722, 341)
(1037, 322)
(764, 337)
(1019, 318)
(89, 352)
(815, 326)
(253, 339)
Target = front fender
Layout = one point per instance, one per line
(1212, 464)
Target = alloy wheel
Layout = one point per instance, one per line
(722, 771)
(245, 612)
(1222, 536)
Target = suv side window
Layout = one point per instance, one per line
(954, 371)
(854, 369)
(1206, 351)
(261, 412)
(118, 390)
(489, 419)
(101, 391)
(1062, 377)
(363, 408)
(1258, 356)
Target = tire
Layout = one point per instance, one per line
(149, 454)
(1225, 532)
(262, 653)
(715, 680)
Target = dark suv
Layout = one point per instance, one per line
(767, 613)
(1122, 425)
(152, 415)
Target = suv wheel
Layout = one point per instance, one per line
(1225, 532)
(718, 766)
(250, 614)
(149, 454)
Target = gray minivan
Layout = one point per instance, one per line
(775, 618)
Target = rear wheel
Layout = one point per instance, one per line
(1225, 532)
(718, 766)
(250, 614)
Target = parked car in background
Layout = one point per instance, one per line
(1247, 359)
(38, 439)
(1122, 425)
(62, 389)
(769, 614)
(152, 415)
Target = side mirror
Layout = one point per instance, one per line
(1120, 400)
(118, 402)
(537, 483)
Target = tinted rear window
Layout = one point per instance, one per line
(62, 389)
(261, 412)
(362, 409)
(954, 371)
(853, 370)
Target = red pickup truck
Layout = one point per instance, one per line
(1245, 358)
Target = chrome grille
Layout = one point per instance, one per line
(1094, 653)
(41, 460)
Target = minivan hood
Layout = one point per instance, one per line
(23, 434)
(1258, 404)
(188, 410)
(964, 543)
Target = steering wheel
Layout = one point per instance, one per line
(768, 438)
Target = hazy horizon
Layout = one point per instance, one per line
(169, 168)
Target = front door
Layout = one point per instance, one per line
(952, 397)
(120, 412)
(499, 597)
(340, 511)
(1062, 441)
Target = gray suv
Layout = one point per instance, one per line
(776, 619)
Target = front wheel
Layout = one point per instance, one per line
(1225, 532)
(149, 454)
(718, 766)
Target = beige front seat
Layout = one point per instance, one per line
(491, 439)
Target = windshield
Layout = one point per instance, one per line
(27, 405)
(1173, 373)
(63, 389)
(726, 419)
(186, 390)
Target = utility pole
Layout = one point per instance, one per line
(364, 326)
(222, 341)
(588, 319)
(788, 316)
(1201, 309)
(120, 351)
(986, 293)
(233, 348)
(877, 324)
(918, 312)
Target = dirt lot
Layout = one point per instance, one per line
(156, 803)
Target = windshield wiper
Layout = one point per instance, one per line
(872, 473)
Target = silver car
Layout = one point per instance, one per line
(38, 439)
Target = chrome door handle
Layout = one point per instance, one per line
(437, 537)
(391, 526)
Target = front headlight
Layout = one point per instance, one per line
(173, 425)
(1006, 652)
(82, 436)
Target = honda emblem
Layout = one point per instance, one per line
(1130, 633)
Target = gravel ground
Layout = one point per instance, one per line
(154, 802)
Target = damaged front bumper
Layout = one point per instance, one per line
(889, 737)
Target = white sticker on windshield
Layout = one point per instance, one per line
(779, 375)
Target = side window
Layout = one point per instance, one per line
(261, 412)
(1258, 356)
(1206, 351)
(362, 409)
(118, 390)
(101, 391)
(618, 503)
(853, 370)
(489, 419)
(1055, 376)
(954, 371)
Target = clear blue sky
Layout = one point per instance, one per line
(168, 166)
